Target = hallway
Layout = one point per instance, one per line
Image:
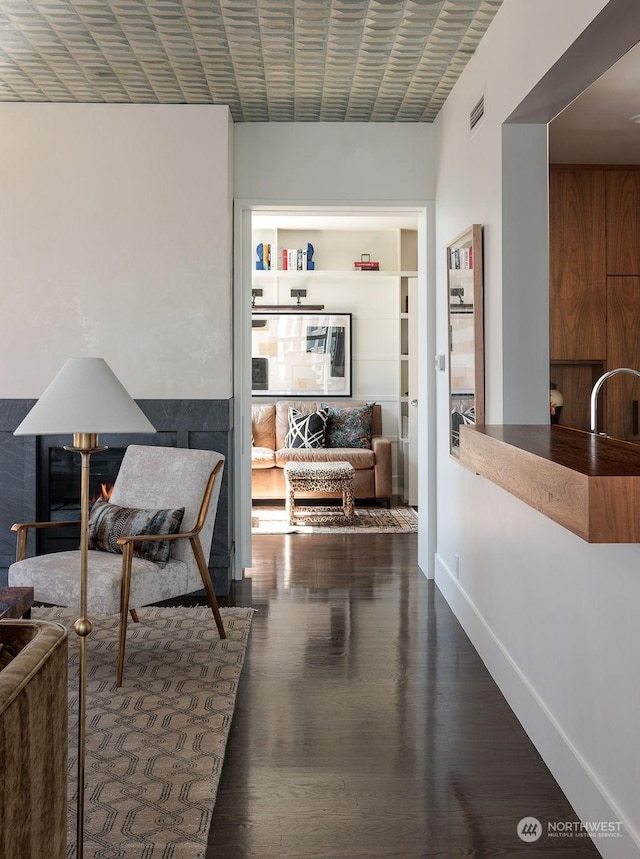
(366, 724)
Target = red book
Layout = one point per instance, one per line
(285, 259)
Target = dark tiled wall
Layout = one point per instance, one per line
(203, 424)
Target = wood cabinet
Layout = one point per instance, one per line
(623, 391)
(623, 222)
(594, 292)
(577, 254)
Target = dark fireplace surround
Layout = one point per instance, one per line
(40, 481)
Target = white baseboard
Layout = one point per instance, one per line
(580, 784)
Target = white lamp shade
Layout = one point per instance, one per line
(85, 397)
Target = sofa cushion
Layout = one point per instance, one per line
(349, 426)
(357, 456)
(262, 457)
(307, 431)
(306, 407)
(263, 425)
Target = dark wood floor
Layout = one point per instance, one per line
(366, 724)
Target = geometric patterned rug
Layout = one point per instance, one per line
(367, 520)
(155, 746)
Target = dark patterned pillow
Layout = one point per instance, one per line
(306, 430)
(108, 521)
(349, 426)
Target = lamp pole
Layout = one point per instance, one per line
(85, 444)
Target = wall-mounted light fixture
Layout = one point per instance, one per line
(283, 308)
(298, 293)
(255, 293)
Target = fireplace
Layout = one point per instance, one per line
(61, 481)
(59, 491)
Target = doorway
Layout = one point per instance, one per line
(339, 237)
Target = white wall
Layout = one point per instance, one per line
(555, 619)
(115, 240)
(334, 162)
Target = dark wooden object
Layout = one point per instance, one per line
(577, 263)
(623, 325)
(594, 220)
(15, 602)
(623, 222)
(584, 482)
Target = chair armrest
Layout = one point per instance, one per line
(143, 538)
(381, 446)
(22, 529)
(24, 526)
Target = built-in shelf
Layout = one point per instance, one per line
(589, 484)
(267, 274)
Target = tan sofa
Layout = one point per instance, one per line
(269, 423)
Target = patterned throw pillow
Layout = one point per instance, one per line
(306, 430)
(349, 426)
(108, 521)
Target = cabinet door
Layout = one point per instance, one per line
(623, 222)
(577, 276)
(622, 392)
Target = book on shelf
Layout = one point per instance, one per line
(366, 266)
(461, 258)
(263, 251)
(295, 259)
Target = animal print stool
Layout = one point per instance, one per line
(319, 477)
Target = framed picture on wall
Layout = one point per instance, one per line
(301, 354)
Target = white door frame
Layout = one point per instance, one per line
(243, 264)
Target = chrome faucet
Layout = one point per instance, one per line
(596, 388)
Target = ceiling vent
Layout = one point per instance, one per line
(476, 114)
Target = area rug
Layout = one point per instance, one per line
(368, 520)
(154, 746)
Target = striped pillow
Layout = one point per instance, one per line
(306, 430)
(108, 521)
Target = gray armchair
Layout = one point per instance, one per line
(150, 479)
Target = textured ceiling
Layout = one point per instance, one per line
(269, 60)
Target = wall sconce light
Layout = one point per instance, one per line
(298, 293)
(283, 308)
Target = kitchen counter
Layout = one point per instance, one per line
(587, 483)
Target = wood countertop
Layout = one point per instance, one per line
(587, 483)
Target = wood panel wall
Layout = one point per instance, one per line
(594, 300)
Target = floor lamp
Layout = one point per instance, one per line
(84, 399)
